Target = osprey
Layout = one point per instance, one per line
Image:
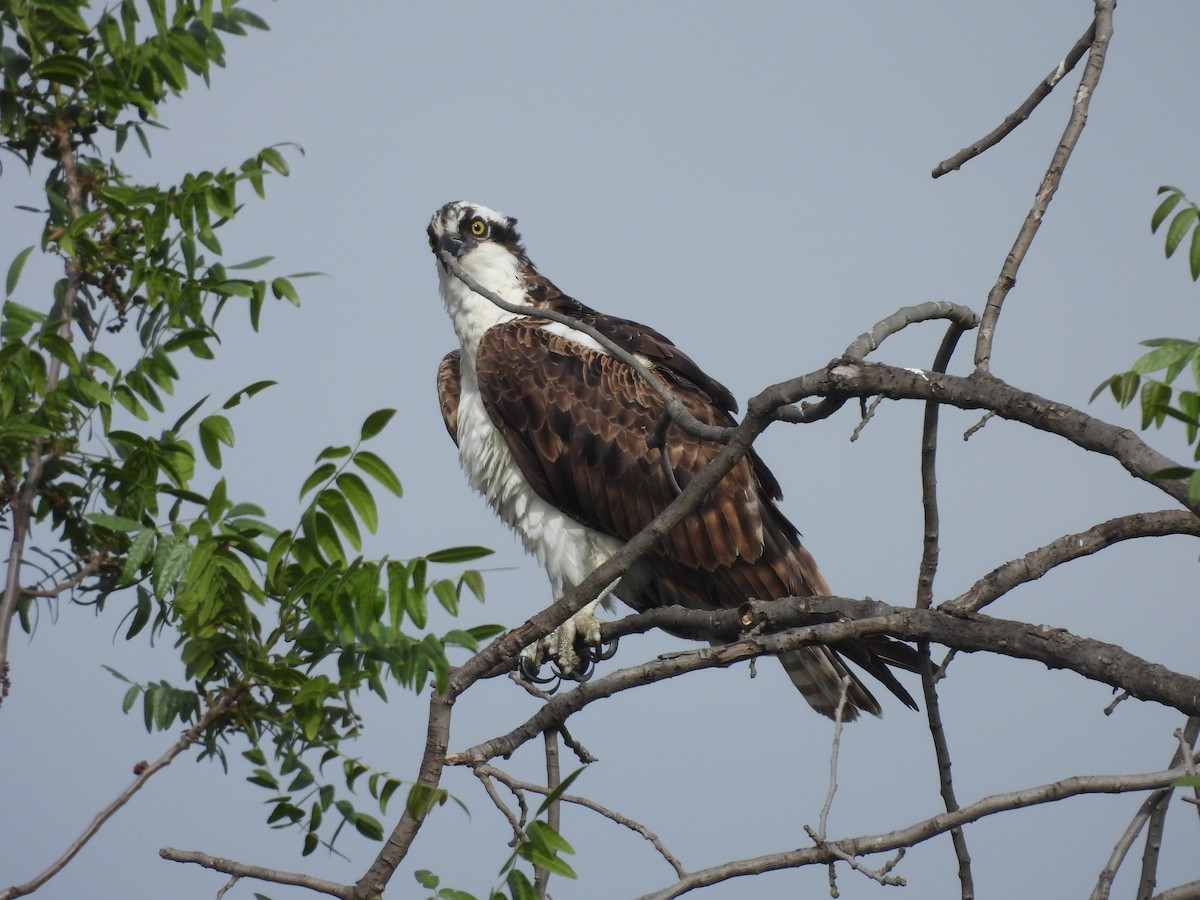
(553, 430)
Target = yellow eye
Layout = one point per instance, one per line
(478, 228)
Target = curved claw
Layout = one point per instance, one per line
(586, 669)
(602, 652)
(532, 673)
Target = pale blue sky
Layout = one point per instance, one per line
(752, 180)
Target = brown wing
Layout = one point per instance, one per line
(577, 421)
(449, 389)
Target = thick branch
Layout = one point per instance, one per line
(188, 738)
(787, 624)
(430, 774)
(1022, 112)
(1036, 563)
(1050, 181)
(980, 391)
(921, 831)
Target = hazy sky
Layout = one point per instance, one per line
(753, 180)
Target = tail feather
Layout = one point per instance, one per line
(819, 674)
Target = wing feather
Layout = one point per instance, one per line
(577, 422)
(449, 381)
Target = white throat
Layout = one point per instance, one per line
(497, 270)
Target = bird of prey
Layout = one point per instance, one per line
(553, 430)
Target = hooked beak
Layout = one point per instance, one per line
(452, 245)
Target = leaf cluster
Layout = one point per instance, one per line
(1151, 380)
(1183, 223)
(279, 630)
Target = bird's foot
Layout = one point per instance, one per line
(573, 649)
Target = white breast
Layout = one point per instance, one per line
(568, 550)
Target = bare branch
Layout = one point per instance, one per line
(189, 737)
(941, 748)
(870, 340)
(1036, 563)
(1050, 181)
(541, 877)
(275, 876)
(91, 567)
(920, 831)
(1189, 891)
(1158, 819)
(1150, 807)
(516, 824)
(787, 625)
(1022, 112)
(854, 378)
(516, 786)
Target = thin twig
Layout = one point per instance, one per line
(1036, 563)
(941, 748)
(581, 752)
(930, 549)
(189, 737)
(1148, 809)
(1050, 181)
(541, 877)
(486, 781)
(919, 832)
(517, 786)
(1022, 112)
(261, 873)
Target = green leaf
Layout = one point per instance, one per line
(114, 523)
(376, 422)
(1194, 256)
(422, 799)
(458, 554)
(246, 393)
(1164, 210)
(214, 431)
(138, 553)
(360, 498)
(1188, 781)
(130, 698)
(1179, 227)
(368, 827)
(541, 834)
(14, 271)
(447, 595)
(520, 887)
(378, 470)
(426, 879)
(170, 560)
(253, 263)
(275, 160)
(320, 474)
(339, 510)
(282, 288)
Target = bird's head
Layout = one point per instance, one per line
(485, 242)
(486, 245)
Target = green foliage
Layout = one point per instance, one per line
(1183, 223)
(540, 845)
(280, 630)
(1151, 379)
